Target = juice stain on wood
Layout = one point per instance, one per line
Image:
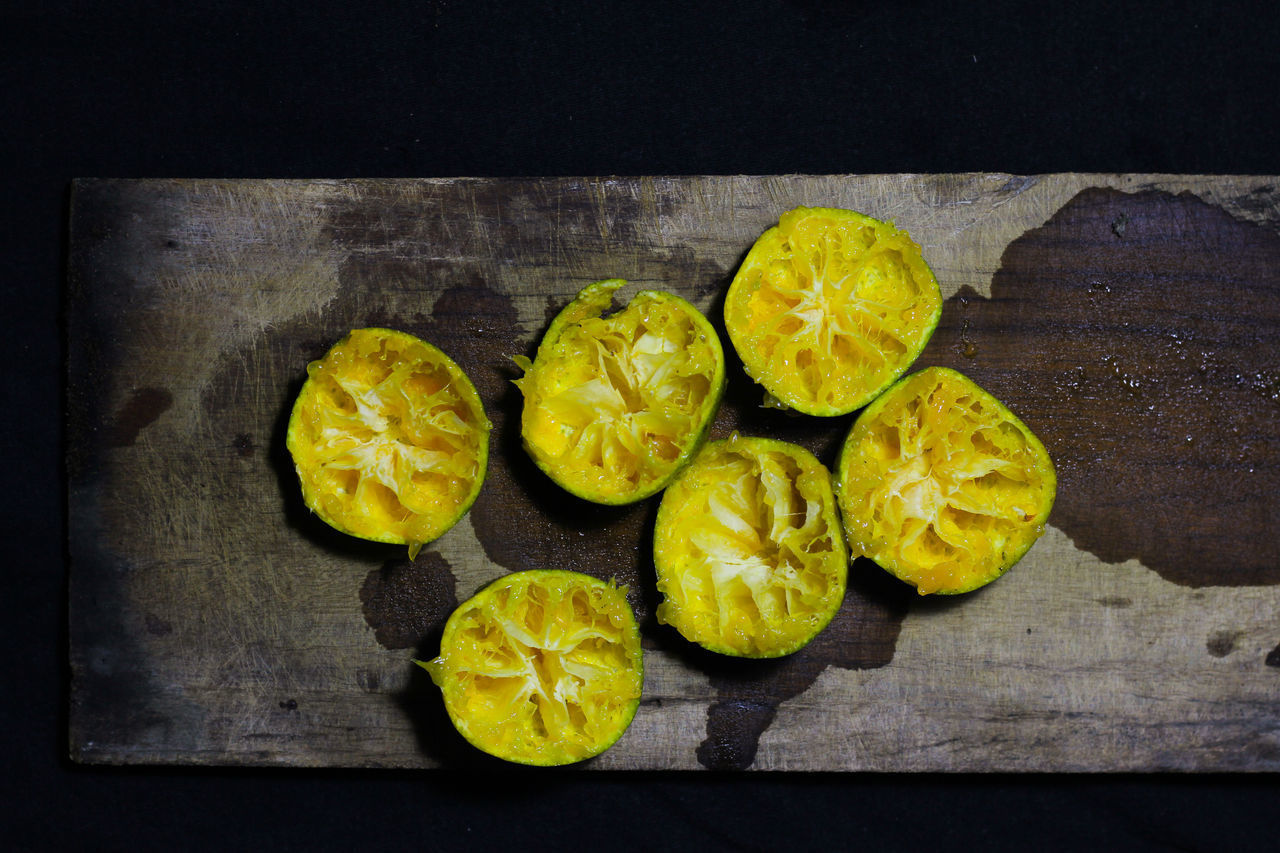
(748, 692)
(406, 601)
(138, 412)
(1222, 643)
(1141, 402)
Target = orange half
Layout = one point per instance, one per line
(541, 667)
(749, 552)
(830, 307)
(616, 405)
(389, 438)
(941, 485)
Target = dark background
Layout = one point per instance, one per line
(450, 88)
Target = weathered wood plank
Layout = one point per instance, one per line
(1132, 321)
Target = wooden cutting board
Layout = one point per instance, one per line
(1133, 322)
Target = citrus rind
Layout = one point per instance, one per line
(615, 406)
(749, 551)
(829, 308)
(941, 485)
(541, 667)
(389, 438)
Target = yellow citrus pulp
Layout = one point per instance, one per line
(940, 484)
(615, 405)
(389, 438)
(830, 307)
(541, 667)
(748, 547)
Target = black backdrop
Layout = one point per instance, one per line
(446, 88)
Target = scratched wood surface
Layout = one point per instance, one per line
(1132, 321)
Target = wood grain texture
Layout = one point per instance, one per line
(1131, 320)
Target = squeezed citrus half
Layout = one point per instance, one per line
(389, 438)
(615, 405)
(940, 484)
(829, 307)
(749, 552)
(541, 667)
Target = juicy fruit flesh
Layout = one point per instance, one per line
(942, 485)
(832, 307)
(612, 408)
(542, 668)
(389, 438)
(749, 550)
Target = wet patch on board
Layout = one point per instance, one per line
(243, 445)
(406, 601)
(862, 635)
(1147, 359)
(1222, 643)
(138, 412)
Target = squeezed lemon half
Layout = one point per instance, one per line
(541, 667)
(614, 406)
(829, 307)
(389, 438)
(941, 485)
(749, 552)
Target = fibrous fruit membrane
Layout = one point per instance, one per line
(389, 438)
(940, 484)
(749, 552)
(541, 667)
(829, 307)
(615, 405)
